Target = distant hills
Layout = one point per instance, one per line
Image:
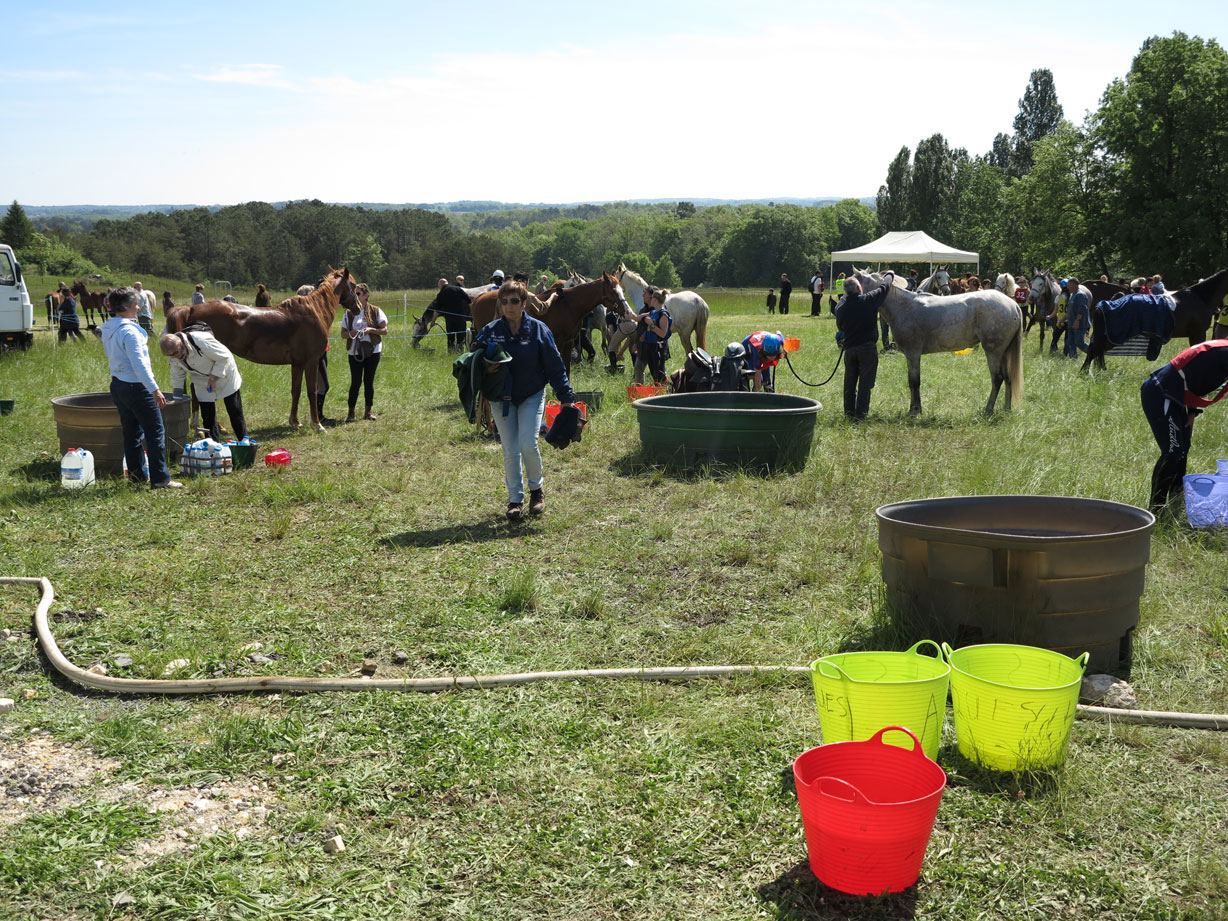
(89, 213)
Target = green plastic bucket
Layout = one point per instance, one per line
(1014, 705)
(242, 455)
(858, 693)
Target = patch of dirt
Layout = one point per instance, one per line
(39, 774)
(70, 616)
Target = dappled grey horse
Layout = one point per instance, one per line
(925, 323)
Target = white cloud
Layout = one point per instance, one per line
(263, 75)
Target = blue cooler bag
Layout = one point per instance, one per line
(1206, 500)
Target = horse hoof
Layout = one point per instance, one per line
(319, 427)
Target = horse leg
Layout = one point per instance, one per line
(312, 375)
(914, 384)
(296, 386)
(997, 375)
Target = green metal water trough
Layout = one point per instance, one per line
(766, 431)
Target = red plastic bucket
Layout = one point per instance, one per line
(868, 809)
(552, 411)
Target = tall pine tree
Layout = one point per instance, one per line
(16, 229)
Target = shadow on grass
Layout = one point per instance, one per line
(1014, 785)
(799, 896)
(478, 532)
(638, 464)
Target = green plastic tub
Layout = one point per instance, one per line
(755, 430)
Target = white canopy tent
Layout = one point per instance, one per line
(905, 246)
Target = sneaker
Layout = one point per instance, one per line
(167, 484)
(515, 511)
(537, 502)
(370, 415)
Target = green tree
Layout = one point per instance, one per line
(365, 258)
(855, 224)
(16, 229)
(664, 274)
(1039, 115)
(1164, 132)
(933, 185)
(1000, 154)
(765, 242)
(893, 202)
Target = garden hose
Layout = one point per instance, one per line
(479, 682)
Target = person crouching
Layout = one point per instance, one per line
(535, 359)
(215, 376)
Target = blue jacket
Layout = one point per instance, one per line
(535, 358)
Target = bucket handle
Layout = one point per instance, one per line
(916, 743)
(842, 786)
(946, 651)
(937, 649)
(1082, 660)
(820, 664)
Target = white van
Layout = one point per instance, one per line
(16, 311)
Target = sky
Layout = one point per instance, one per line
(130, 103)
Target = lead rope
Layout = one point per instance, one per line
(839, 358)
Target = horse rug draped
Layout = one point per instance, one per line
(1134, 315)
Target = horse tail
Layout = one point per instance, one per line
(1014, 364)
(701, 326)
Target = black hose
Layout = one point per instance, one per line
(839, 358)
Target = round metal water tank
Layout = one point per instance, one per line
(91, 421)
(757, 430)
(1057, 572)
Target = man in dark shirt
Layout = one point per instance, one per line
(857, 318)
(1172, 397)
(786, 288)
(453, 304)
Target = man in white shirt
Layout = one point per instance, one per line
(145, 308)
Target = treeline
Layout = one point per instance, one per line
(1140, 187)
(677, 244)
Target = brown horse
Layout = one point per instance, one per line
(1196, 305)
(294, 333)
(89, 302)
(567, 311)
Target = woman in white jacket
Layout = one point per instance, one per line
(215, 376)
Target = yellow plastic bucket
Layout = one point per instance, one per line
(1014, 705)
(858, 693)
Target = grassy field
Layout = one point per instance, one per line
(569, 800)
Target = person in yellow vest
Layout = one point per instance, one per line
(1219, 329)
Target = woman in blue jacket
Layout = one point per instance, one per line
(535, 359)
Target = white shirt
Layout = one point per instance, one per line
(359, 325)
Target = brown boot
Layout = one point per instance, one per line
(370, 415)
(515, 511)
(537, 502)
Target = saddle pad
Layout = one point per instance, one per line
(1131, 348)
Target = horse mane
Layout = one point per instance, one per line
(1208, 285)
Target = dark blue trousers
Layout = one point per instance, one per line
(141, 421)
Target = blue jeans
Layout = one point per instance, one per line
(518, 432)
(1074, 342)
(141, 421)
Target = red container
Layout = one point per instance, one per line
(552, 411)
(639, 391)
(278, 458)
(868, 809)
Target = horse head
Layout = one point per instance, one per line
(612, 296)
(342, 284)
(418, 331)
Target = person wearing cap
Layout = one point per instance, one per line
(496, 279)
(198, 296)
(534, 362)
(763, 351)
(1172, 397)
(857, 318)
(135, 391)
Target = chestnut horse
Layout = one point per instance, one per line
(294, 333)
(90, 301)
(567, 311)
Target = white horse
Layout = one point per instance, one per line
(924, 323)
(938, 283)
(1006, 284)
(688, 309)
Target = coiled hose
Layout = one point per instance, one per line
(479, 682)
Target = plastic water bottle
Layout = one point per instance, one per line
(144, 465)
(77, 469)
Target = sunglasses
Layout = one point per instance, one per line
(509, 300)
